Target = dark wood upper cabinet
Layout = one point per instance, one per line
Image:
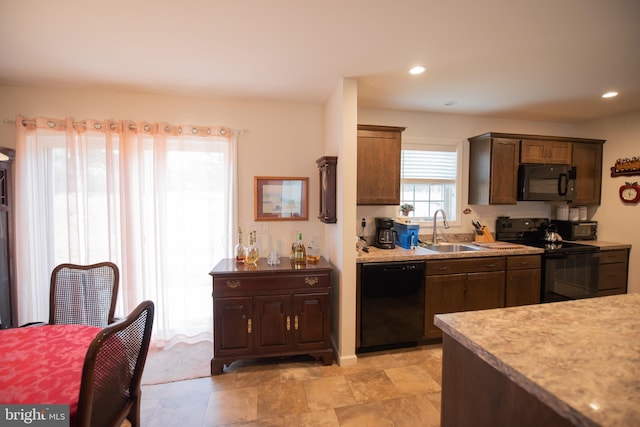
(379, 150)
(494, 159)
(587, 159)
(493, 170)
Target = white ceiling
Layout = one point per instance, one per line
(523, 59)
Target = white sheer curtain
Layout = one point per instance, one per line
(156, 199)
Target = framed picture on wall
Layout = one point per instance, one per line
(281, 198)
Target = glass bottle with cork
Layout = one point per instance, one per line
(240, 250)
(299, 251)
(252, 251)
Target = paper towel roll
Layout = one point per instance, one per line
(562, 213)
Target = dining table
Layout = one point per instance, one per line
(43, 364)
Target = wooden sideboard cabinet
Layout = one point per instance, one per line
(462, 285)
(264, 311)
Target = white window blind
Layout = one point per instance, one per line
(429, 179)
(429, 165)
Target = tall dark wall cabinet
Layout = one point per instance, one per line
(327, 170)
(8, 314)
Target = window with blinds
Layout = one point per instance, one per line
(429, 181)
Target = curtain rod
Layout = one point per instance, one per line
(32, 122)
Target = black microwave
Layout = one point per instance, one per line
(546, 182)
(577, 230)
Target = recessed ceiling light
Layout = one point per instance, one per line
(610, 94)
(417, 70)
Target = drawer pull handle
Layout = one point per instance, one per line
(288, 323)
(249, 326)
(311, 281)
(296, 322)
(233, 284)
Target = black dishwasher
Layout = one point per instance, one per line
(391, 305)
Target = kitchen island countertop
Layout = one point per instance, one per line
(579, 358)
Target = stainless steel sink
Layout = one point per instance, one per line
(453, 247)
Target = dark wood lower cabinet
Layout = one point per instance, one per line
(479, 283)
(524, 277)
(266, 311)
(462, 285)
(614, 268)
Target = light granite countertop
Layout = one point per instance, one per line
(605, 246)
(488, 250)
(581, 358)
(420, 253)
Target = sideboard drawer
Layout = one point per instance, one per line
(228, 285)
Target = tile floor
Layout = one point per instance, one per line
(394, 388)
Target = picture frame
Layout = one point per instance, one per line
(281, 198)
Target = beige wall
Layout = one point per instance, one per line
(340, 140)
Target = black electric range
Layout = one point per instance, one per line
(569, 270)
(531, 231)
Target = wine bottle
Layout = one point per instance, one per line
(240, 250)
(252, 251)
(300, 253)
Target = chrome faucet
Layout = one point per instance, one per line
(444, 223)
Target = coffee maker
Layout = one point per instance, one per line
(385, 235)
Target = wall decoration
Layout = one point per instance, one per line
(280, 198)
(626, 167)
(630, 192)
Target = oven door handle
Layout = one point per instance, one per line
(563, 255)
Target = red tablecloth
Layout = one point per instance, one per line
(43, 364)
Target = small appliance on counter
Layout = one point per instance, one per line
(406, 234)
(385, 235)
(577, 230)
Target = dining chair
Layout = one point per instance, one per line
(84, 294)
(112, 371)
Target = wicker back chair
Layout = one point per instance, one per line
(84, 294)
(110, 385)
